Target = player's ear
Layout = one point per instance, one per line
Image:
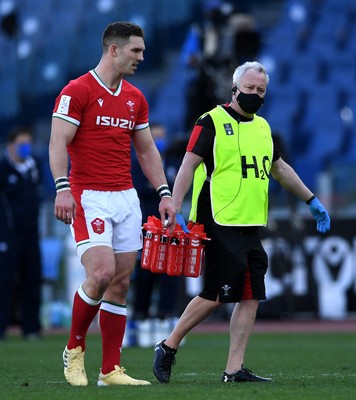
(113, 50)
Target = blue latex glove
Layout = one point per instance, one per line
(320, 215)
(181, 222)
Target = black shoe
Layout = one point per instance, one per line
(164, 358)
(243, 375)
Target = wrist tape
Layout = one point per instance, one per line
(163, 191)
(62, 184)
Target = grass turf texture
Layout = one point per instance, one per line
(303, 366)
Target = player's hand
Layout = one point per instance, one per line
(181, 222)
(320, 215)
(65, 207)
(168, 213)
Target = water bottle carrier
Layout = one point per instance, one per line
(176, 253)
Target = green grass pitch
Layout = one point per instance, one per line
(304, 366)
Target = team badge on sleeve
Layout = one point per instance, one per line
(63, 106)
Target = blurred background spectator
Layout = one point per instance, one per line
(308, 48)
(20, 257)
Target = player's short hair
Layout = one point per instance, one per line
(120, 32)
(241, 69)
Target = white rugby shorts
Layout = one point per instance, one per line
(107, 219)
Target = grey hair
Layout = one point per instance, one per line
(241, 69)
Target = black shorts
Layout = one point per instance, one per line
(235, 264)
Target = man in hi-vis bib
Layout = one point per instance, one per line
(229, 159)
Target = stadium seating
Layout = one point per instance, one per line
(9, 102)
(323, 72)
(309, 53)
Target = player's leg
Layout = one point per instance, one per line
(244, 314)
(196, 311)
(241, 324)
(113, 313)
(92, 231)
(99, 265)
(127, 240)
(112, 324)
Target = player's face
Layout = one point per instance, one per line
(253, 82)
(130, 55)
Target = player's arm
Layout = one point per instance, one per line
(290, 180)
(151, 164)
(62, 133)
(184, 178)
(148, 157)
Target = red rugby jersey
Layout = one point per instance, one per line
(100, 151)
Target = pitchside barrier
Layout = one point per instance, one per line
(310, 273)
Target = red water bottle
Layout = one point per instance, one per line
(194, 250)
(153, 228)
(175, 252)
(160, 263)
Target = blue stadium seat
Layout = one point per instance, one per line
(35, 8)
(329, 24)
(171, 93)
(9, 99)
(281, 42)
(338, 7)
(280, 114)
(87, 50)
(8, 64)
(309, 170)
(326, 139)
(51, 66)
(348, 155)
(320, 99)
(342, 72)
(305, 72)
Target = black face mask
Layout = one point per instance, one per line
(250, 103)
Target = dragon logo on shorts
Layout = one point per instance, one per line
(226, 289)
(98, 226)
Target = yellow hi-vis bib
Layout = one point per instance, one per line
(239, 182)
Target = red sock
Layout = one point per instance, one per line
(112, 324)
(84, 311)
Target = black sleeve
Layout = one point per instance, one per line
(202, 138)
(276, 154)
